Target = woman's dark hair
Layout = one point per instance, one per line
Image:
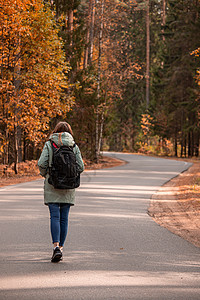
(63, 127)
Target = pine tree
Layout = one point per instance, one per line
(174, 87)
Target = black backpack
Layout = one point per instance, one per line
(63, 173)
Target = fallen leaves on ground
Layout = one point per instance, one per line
(176, 206)
(28, 170)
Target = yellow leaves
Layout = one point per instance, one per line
(196, 52)
(146, 124)
(29, 37)
(198, 77)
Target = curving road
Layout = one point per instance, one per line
(114, 250)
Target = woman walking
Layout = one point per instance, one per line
(58, 200)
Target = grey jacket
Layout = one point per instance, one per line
(52, 195)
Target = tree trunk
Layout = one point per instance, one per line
(17, 129)
(99, 81)
(192, 143)
(101, 133)
(197, 145)
(91, 42)
(185, 146)
(175, 146)
(164, 13)
(189, 144)
(182, 146)
(102, 124)
(19, 141)
(30, 152)
(6, 151)
(132, 140)
(70, 25)
(24, 147)
(15, 150)
(147, 53)
(88, 35)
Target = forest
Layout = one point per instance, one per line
(125, 74)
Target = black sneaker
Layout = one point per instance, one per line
(57, 255)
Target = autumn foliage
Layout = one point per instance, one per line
(86, 62)
(33, 74)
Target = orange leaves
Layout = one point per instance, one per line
(146, 124)
(32, 66)
(196, 52)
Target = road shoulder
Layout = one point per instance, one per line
(176, 206)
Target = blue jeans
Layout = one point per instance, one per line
(59, 213)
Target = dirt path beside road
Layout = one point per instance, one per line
(176, 206)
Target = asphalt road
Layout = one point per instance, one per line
(114, 250)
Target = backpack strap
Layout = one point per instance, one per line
(53, 148)
(54, 145)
